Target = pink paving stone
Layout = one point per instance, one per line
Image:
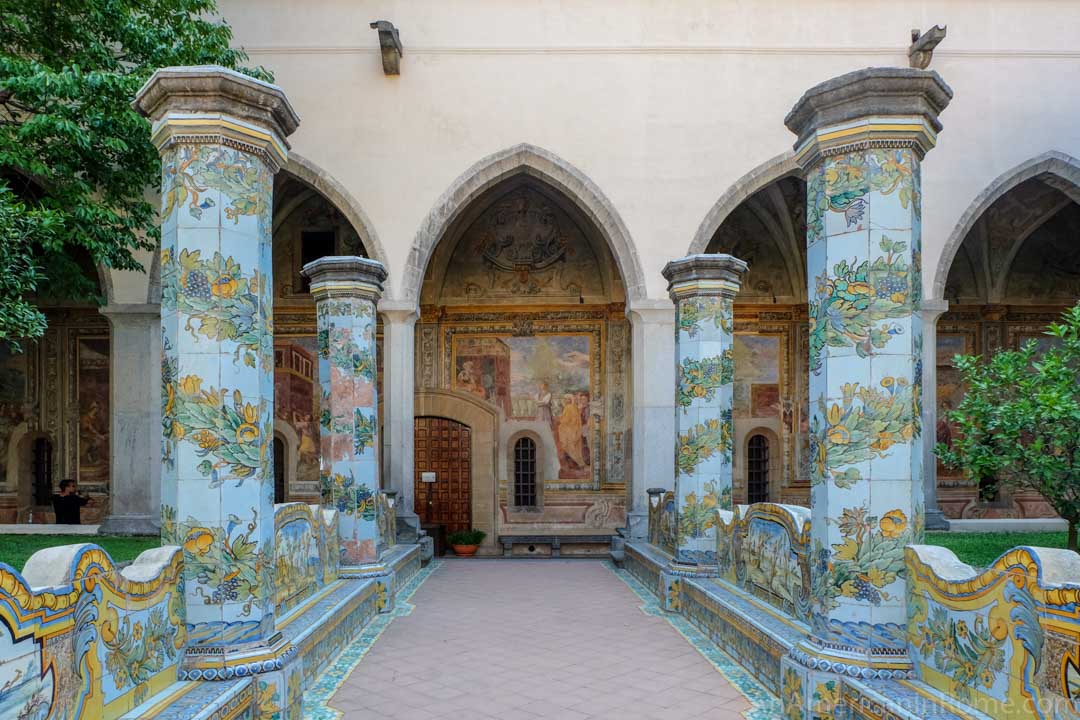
(533, 639)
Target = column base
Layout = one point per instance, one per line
(130, 525)
(936, 520)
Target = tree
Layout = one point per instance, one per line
(1019, 421)
(76, 160)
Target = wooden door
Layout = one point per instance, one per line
(443, 447)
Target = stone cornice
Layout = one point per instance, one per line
(873, 107)
(345, 276)
(706, 274)
(208, 104)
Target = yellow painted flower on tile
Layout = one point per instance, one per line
(191, 384)
(207, 440)
(884, 441)
(199, 541)
(248, 430)
(178, 431)
(893, 523)
(839, 435)
(835, 412)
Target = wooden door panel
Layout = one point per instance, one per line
(444, 447)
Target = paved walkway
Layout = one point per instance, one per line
(528, 639)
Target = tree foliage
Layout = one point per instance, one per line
(76, 162)
(1019, 421)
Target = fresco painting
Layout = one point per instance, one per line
(543, 380)
(757, 376)
(13, 409)
(296, 400)
(93, 393)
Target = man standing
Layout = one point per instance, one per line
(68, 504)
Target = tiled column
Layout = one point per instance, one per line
(861, 139)
(221, 136)
(702, 288)
(346, 290)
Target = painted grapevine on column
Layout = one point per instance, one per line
(702, 288)
(857, 296)
(217, 364)
(865, 355)
(345, 308)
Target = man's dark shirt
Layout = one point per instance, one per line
(67, 508)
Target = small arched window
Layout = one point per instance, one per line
(525, 473)
(42, 470)
(279, 470)
(757, 469)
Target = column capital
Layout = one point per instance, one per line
(398, 312)
(931, 310)
(872, 107)
(706, 274)
(209, 103)
(345, 276)
(134, 311)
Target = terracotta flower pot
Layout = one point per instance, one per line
(465, 550)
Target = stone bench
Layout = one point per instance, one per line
(555, 542)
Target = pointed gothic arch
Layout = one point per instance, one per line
(523, 159)
(1055, 168)
(768, 172)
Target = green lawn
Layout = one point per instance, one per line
(15, 550)
(981, 549)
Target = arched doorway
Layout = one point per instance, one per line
(522, 312)
(766, 227)
(443, 466)
(1014, 271)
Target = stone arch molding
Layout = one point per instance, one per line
(768, 172)
(543, 165)
(1056, 168)
(340, 198)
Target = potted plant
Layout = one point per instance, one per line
(466, 542)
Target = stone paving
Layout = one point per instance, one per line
(527, 639)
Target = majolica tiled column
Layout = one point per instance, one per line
(221, 136)
(702, 288)
(861, 139)
(346, 290)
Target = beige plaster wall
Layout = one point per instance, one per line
(663, 105)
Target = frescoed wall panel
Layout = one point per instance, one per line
(93, 392)
(57, 390)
